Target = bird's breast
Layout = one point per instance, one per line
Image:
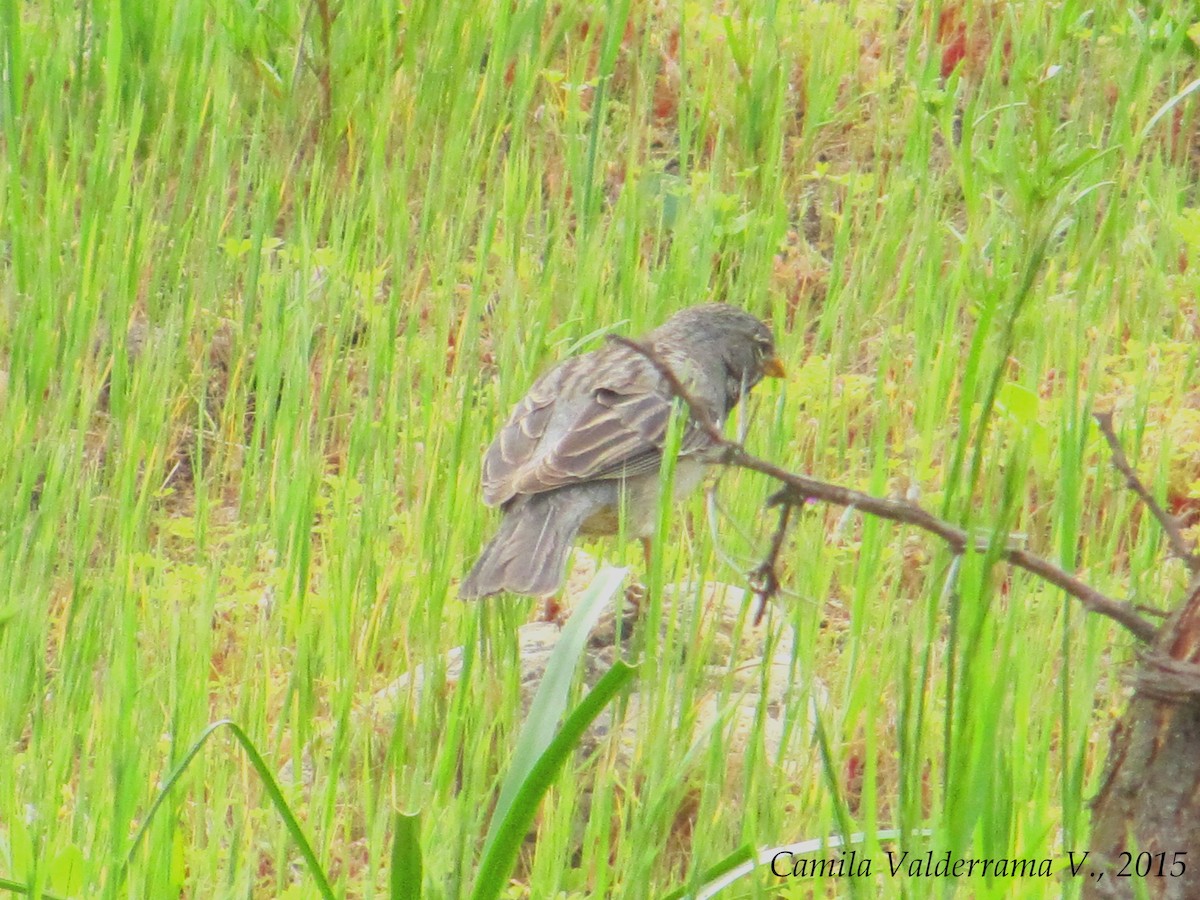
(639, 501)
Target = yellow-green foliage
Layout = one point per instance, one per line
(271, 274)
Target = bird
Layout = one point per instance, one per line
(581, 452)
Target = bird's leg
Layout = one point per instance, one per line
(635, 594)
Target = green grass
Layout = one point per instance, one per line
(267, 288)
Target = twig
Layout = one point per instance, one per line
(800, 488)
(1170, 525)
(326, 17)
(764, 580)
(699, 414)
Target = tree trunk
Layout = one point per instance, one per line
(1149, 803)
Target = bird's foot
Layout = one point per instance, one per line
(635, 595)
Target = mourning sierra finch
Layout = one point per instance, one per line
(585, 444)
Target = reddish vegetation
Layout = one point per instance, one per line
(666, 85)
(969, 41)
(1184, 508)
(852, 779)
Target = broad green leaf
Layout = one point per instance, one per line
(66, 872)
(1019, 402)
(508, 833)
(550, 701)
(406, 873)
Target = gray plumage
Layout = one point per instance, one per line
(586, 443)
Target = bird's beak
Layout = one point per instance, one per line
(773, 368)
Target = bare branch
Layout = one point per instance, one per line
(957, 539)
(1170, 525)
(800, 488)
(764, 580)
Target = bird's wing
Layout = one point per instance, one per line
(604, 415)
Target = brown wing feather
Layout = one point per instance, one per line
(517, 443)
(604, 415)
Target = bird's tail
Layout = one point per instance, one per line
(528, 555)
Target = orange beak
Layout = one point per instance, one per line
(773, 368)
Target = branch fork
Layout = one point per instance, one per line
(796, 490)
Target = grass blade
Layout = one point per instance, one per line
(508, 831)
(269, 784)
(550, 702)
(406, 871)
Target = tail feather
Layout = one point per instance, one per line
(528, 555)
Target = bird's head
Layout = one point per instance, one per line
(742, 343)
